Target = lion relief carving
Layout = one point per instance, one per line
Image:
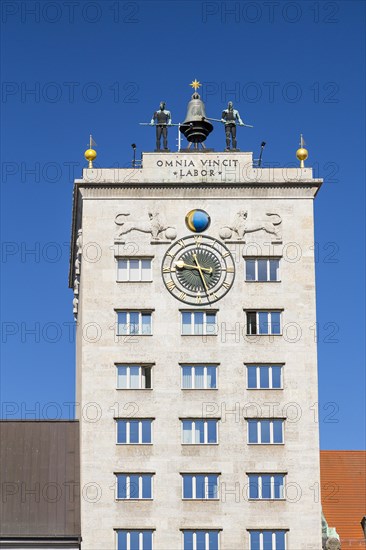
(241, 226)
(158, 229)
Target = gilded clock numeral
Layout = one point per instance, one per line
(230, 269)
(182, 243)
(182, 296)
(213, 296)
(166, 269)
(198, 299)
(198, 240)
(225, 284)
(226, 254)
(170, 284)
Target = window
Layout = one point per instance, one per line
(262, 269)
(200, 540)
(198, 431)
(130, 432)
(134, 269)
(138, 539)
(267, 540)
(268, 377)
(134, 486)
(263, 322)
(199, 377)
(133, 377)
(266, 486)
(200, 486)
(198, 322)
(134, 322)
(265, 431)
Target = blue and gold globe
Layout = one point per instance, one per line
(197, 220)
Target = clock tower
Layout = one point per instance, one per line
(194, 298)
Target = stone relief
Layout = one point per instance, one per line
(79, 250)
(241, 226)
(159, 230)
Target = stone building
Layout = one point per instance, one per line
(196, 366)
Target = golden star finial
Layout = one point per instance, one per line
(195, 84)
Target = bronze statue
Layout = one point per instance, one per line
(163, 119)
(230, 117)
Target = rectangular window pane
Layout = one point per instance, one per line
(146, 270)
(255, 540)
(199, 431)
(278, 486)
(211, 377)
(199, 378)
(198, 322)
(267, 540)
(277, 431)
(280, 540)
(146, 323)
(188, 540)
(187, 377)
(146, 431)
(134, 431)
(134, 377)
(134, 540)
(146, 377)
(274, 266)
(263, 322)
(266, 486)
(187, 431)
(262, 270)
(276, 377)
(122, 270)
(276, 322)
(122, 540)
(134, 486)
(252, 377)
(134, 270)
(253, 486)
(212, 431)
(187, 487)
(122, 322)
(200, 540)
(265, 431)
(213, 538)
(121, 486)
(146, 486)
(121, 431)
(212, 486)
(252, 431)
(200, 487)
(250, 270)
(210, 323)
(251, 323)
(134, 322)
(186, 323)
(264, 377)
(147, 540)
(121, 377)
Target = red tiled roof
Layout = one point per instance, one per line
(343, 494)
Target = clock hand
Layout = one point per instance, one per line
(201, 273)
(180, 265)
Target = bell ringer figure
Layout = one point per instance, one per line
(230, 117)
(163, 119)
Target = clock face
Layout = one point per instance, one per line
(198, 270)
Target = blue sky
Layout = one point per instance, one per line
(69, 69)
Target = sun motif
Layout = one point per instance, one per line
(195, 84)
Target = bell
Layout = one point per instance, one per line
(195, 127)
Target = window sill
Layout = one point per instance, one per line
(266, 389)
(201, 499)
(134, 499)
(135, 444)
(199, 444)
(264, 334)
(261, 444)
(266, 499)
(247, 281)
(134, 389)
(199, 389)
(131, 335)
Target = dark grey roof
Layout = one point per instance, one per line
(39, 479)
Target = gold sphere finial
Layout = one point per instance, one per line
(302, 153)
(90, 154)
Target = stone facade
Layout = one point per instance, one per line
(171, 185)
